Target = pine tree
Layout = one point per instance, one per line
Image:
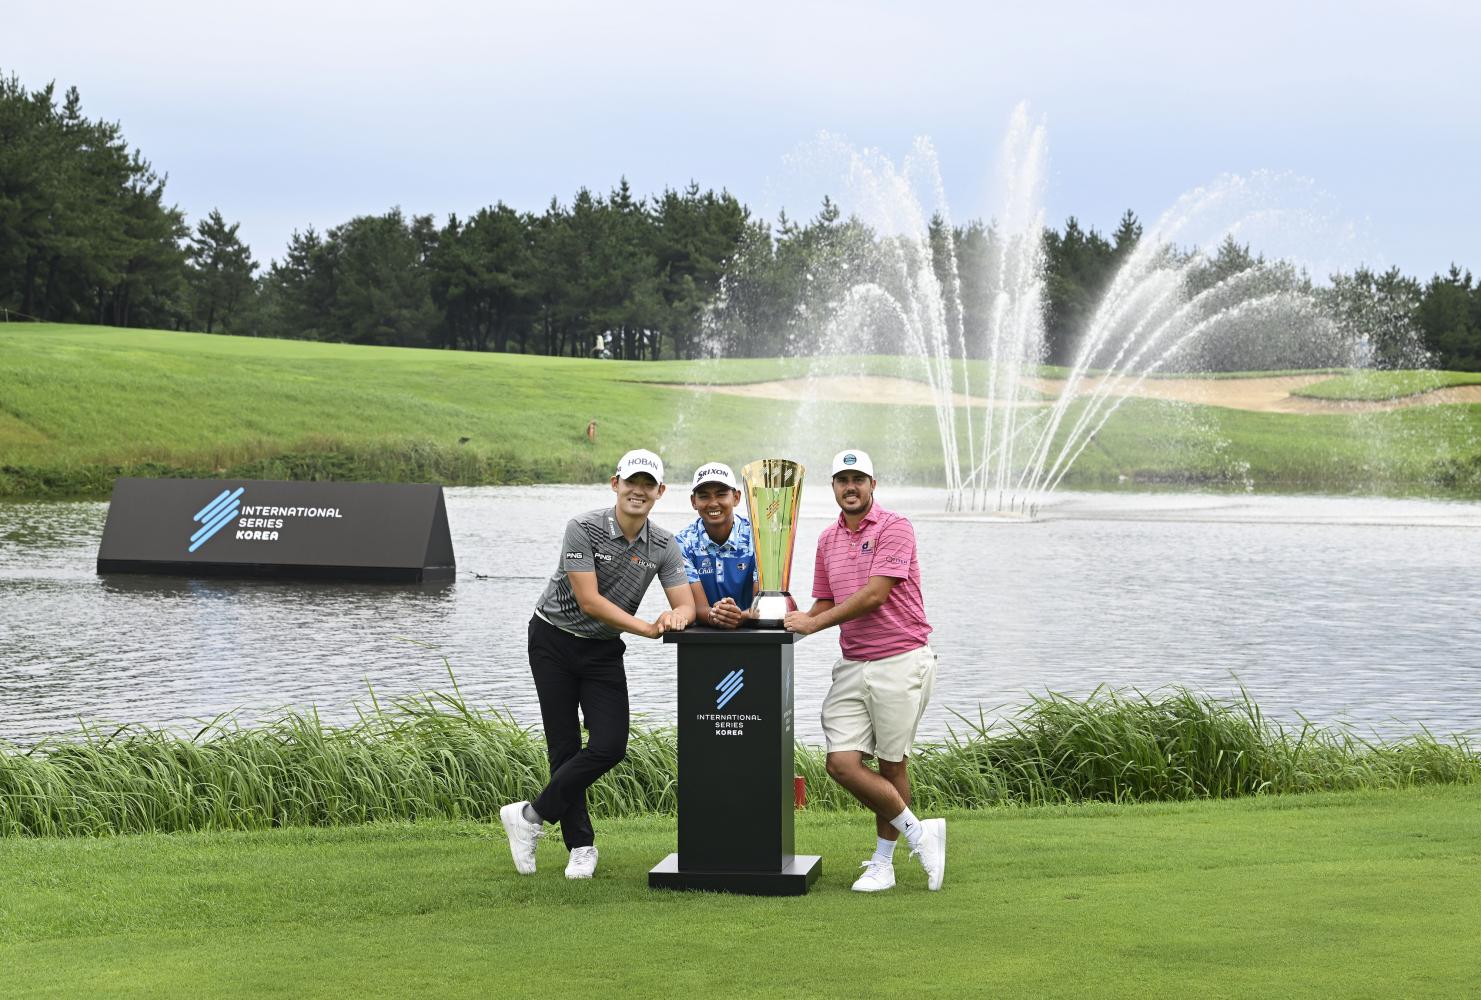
(1127, 235)
(221, 270)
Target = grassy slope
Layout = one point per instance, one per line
(81, 405)
(1352, 895)
(1374, 386)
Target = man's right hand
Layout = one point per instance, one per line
(800, 622)
(672, 620)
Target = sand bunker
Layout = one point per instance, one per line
(843, 389)
(1261, 395)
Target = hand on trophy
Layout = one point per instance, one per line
(725, 613)
(800, 622)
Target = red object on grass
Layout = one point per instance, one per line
(799, 790)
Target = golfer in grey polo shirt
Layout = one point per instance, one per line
(608, 558)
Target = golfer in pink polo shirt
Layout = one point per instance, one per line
(867, 582)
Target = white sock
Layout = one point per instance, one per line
(884, 850)
(909, 827)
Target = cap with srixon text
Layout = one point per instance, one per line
(852, 460)
(640, 460)
(714, 472)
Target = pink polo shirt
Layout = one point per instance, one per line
(883, 545)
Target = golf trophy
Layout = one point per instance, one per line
(773, 492)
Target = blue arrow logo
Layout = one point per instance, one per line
(216, 515)
(730, 686)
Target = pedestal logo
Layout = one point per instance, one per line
(731, 723)
(729, 687)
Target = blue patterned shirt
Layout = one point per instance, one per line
(726, 570)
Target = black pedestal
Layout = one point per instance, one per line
(736, 796)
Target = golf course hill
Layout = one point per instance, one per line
(82, 405)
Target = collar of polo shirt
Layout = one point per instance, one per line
(870, 517)
(613, 530)
(714, 546)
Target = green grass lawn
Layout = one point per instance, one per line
(80, 406)
(1354, 895)
(1370, 386)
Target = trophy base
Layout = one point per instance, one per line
(769, 609)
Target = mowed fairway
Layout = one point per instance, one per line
(80, 406)
(1354, 895)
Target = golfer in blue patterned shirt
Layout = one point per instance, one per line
(719, 557)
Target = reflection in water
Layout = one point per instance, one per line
(307, 592)
(1337, 609)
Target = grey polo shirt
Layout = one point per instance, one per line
(594, 542)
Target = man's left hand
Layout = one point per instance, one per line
(800, 622)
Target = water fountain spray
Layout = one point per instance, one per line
(1006, 446)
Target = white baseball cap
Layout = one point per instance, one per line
(714, 472)
(852, 460)
(640, 460)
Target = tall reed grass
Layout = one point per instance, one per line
(436, 756)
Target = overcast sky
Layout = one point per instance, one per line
(289, 114)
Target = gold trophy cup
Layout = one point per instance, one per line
(773, 493)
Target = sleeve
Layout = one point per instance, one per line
(896, 550)
(822, 590)
(576, 551)
(672, 570)
(691, 573)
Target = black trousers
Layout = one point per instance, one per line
(572, 673)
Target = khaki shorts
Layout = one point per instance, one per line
(874, 706)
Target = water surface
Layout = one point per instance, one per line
(1354, 610)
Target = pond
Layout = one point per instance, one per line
(1353, 610)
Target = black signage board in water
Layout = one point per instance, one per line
(736, 795)
(213, 527)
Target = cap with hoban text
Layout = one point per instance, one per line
(640, 460)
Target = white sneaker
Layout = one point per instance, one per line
(878, 876)
(523, 836)
(583, 863)
(932, 851)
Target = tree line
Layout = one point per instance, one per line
(87, 235)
